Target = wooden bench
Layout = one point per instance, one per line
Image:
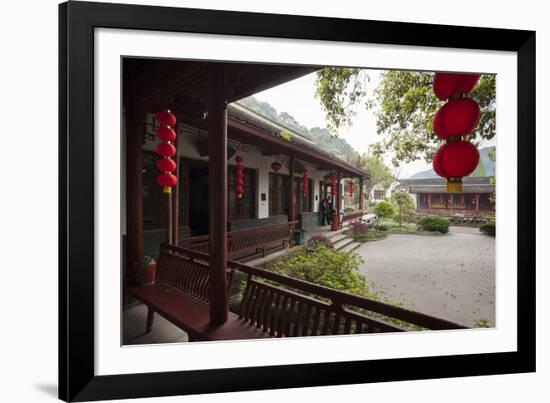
(180, 294)
(272, 305)
(247, 243)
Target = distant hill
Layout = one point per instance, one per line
(321, 136)
(486, 167)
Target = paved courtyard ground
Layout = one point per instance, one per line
(450, 276)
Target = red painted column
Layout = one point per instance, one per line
(217, 175)
(361, 194)
(292, 190)
(135, 130)
(176, 195)
(339, 193)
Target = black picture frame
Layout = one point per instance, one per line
(77, 380)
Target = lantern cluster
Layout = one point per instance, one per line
(456, 119)
(166, 150)
(239, 176)
(305, 182)
(351, 189)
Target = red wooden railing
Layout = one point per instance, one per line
(284, 306)
(247, 241)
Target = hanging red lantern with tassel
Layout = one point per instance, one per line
(239, 176)
(166, 135)
(305, 183)
(351, 189)
(457, 118)
(276, 166)
(455, 160)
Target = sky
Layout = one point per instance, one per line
(297, 98)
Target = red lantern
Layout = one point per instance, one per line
(351, 189)
(305, 183)
(166, 165)
(333, 187)
(457, 117)
(276, 166)
(166, 118)
(167, 180)
(455, 160)
(447, 84)
(239, 176)
(165, 133)
(166, 149)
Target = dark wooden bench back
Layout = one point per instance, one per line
(284, 313)
(183, 273)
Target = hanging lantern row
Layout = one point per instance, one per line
(305, 182)
(351, 189)
(165, 149)
(239, 176)
(457, 118)
(276, 166)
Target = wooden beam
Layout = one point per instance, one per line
(217, 175)
(339, 193)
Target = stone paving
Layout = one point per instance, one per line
(450, 276)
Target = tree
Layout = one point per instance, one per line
(404, 105)
(379, 172)
(404, 202)
(384, 209)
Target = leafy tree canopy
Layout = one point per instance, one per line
(404, 105)
(379, 172)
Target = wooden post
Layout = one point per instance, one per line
(292, 190)
(217, 175)
(477, 202)
(429, 201)
(339, 193)
(176, 197)
(135, 130)
(361, 203)
(451, 199)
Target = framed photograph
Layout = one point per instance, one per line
(257, 201)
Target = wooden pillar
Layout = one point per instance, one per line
(135, 130)
(217, 175)
(429, 201)
(451, 204)
(361, 203)
(292, 190)
(176, 197)
(339, 193)
(477, 202)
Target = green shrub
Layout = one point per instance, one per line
(384, 209)
(488, 228)
(434, 223)
(324, 266)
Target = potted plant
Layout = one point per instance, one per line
(148, 271)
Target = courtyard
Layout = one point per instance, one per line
(450, 276)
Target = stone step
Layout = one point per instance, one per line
(342, 243)
(337, 238)
(351, 246)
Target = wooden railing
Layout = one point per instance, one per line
(284, 306)
(245, 242)
(352, 217)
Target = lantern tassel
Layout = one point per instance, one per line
(454, 185)
(167, 189)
